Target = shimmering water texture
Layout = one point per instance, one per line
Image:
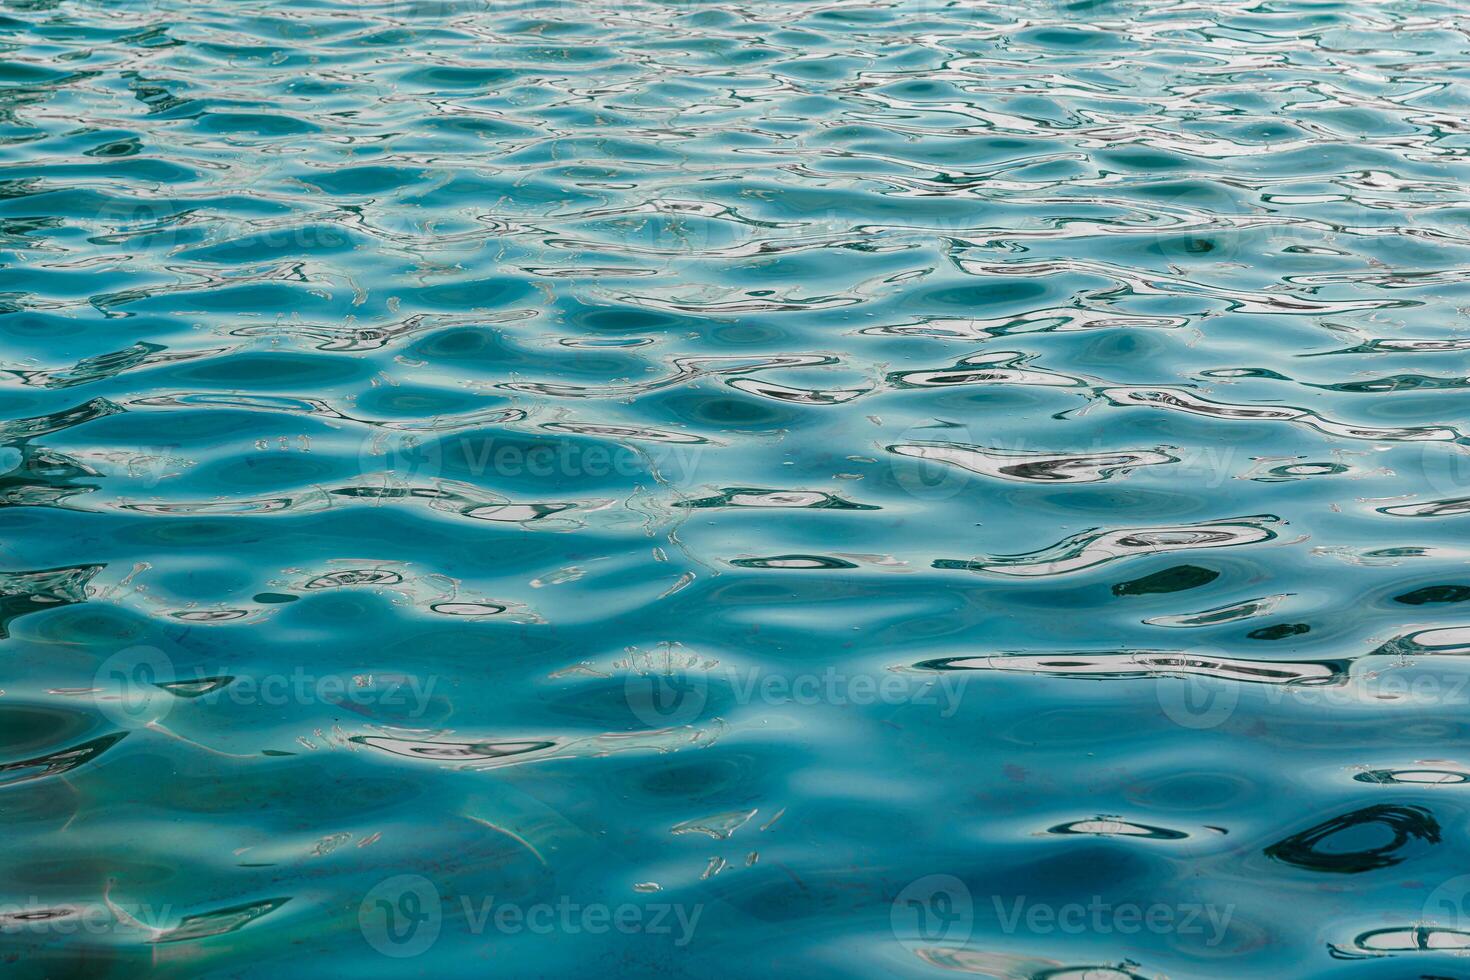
(648, 488)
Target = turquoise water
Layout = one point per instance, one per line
(918, 489)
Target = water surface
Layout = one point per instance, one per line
(679, 489)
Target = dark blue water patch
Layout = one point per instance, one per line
(1374, 837)
(1176, 579)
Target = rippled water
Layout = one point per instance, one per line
(724, 489)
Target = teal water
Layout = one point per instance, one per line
(853, 488)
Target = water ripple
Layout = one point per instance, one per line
(463, 458)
